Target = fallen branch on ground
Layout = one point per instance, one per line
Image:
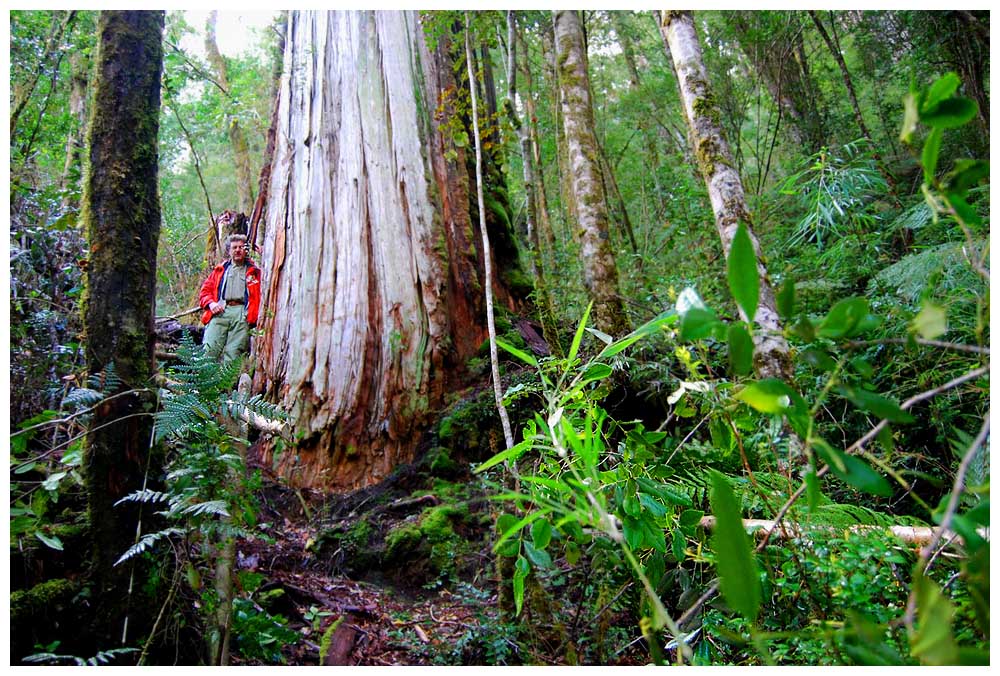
(918, 535)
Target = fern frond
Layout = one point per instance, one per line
(147, 541)
(81, 397)
(144, 496)
(216, 507)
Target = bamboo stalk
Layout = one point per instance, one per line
(786, 530)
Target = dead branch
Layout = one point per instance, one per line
(786, 530)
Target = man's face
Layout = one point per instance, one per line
(238, 252)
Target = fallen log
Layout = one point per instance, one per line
(786, 530)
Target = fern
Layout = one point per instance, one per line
(145, 496)
(147, 541)
(81, 398)
(103, 657)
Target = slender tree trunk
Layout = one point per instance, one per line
(600, 273)
(22, 94)
(531, 184)
(624, 32)
(121, 213)
(849, 84)
(547, 235)
(567, 205)
(725, 189)
(373, 293)
(237, 139)
(70, 182)
(487, 271)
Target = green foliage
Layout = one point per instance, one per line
(837, 193)
(260, 635)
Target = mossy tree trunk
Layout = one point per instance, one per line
(70, 183)
(121, 213)
(373, 296)
(725, 188)
(600, 272)
(237, 139)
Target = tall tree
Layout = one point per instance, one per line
(72, 169)
(121, 213)
(237, 139)
(600, 272)
(373, 296)
(725, 189)
(773, 43)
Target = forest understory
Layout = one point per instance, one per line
(572, 337)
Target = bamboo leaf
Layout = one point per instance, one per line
(744, 282)
(520, 354)
(738, 575)
(575, 346)
(512, 453)
(875, 404)
(931, 151)
(740, 350)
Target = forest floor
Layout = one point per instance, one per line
(400, 573)
(362, 602)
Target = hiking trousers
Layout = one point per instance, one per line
(228, 334)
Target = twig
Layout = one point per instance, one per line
(975, 349)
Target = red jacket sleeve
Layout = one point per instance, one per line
(253, 293)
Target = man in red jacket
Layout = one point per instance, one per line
(231, 300)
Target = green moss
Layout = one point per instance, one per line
(432, 539)
(31, 605)
(324, 645)
(441, 463)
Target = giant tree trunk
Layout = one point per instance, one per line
(121, 212)
(725, 189)
(600, 273)
(373, 297)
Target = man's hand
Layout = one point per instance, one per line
(217, 307)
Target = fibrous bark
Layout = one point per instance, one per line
(725, 188)
(122, 216)
(600, 273)
(372, 291)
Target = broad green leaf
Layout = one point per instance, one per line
(931, 322)
(516, 528)
(633, 532)
(744, 282)
(966, 174)
(933, 642)
(830, 455)
(504, 523)
(521, 569)
(677, 544)
(520, 354)
(575, 347)
(854, 471)
(885, 439)
(573, 553)
(765, 396)
(652, 326)
(875, 404)
(929, 157)
(662, 491)
(738, 575)
(813, 493)
(690, 518)
(51, 482)
(843, 317)
(740, 350)
(976, 575)
(512, 453)
(803, 329)
(631, 506)
(865, 642)
(653, 535)
(819, 359)
(595, 371)
(541, 533)
(25, 468)
(965, 211)
(617, 347)
(786, 299)
(654, 506)
(538, 557)
(862, 368)
(697, 323)
(50, 541)
(943, 88)
(950, 113)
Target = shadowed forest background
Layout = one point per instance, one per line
(587, 337)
